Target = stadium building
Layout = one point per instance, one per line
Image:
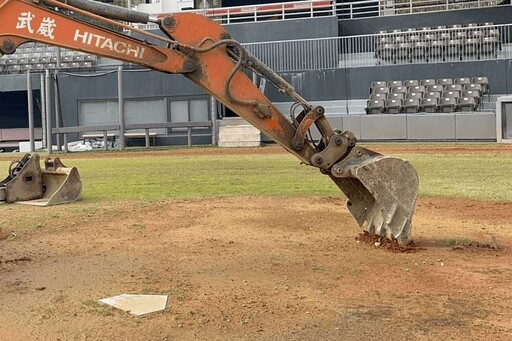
(386, 70)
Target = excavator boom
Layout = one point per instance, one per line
(381, 190)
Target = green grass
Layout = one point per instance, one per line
(457, 242)
(480, 177)
(148, 177)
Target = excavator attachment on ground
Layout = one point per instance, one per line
(27, 183)
(381, 190)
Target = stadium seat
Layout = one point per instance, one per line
(489, 45)
(466, 104)
(462, 81)
(476, 33)
(459, 34)
(435, 88)
(374, 97)
(386, 51)
(381, 90)
(393, 106)
(429, 105)
(376, 107)
(444, 36)
(396, 95)
(416, 88)
(394, 83)
(451, 94)
(432, 94)
(483, 81)
(471, 47)
(410, 82)
(411, 105)
(403, 51)
(474, 94)
(437, 48)
(447, 104)
(427, 82)
(414, 95)
(377, 84)
(420, 50)
(453, 87)
(475, 87)
(454, 48)
(444, 81)
(414, 37)
(396, 89)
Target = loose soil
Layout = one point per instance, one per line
(255, 268)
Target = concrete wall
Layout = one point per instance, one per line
(343, 84)
(476, 126)
(320, 27)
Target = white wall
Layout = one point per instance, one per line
(165, 6)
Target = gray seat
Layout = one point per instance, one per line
(416, 88)
(394, 83)
(410, 82)
(475, 87)
(452, 94)
(376, 107)
(471, 47)
(381, 90)
(428, 105)
(466, 104)
(414, 95)
(462, 81)
(474, 94)
(435, 88)
(393, 106)
(378, 84)
(398, 89)
(396, 95)
(437, 48)
(432, 94)
(489, 45)
(403, 51)
(459, 34)
(453, 87)
(411, 105)
(375, 96)
(444, 81)
(447, 104)
(454, 48)
(483, 81)
(427, 82)
(385, 51)
(476, 33)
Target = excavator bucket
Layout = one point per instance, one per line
(380, 191)
(28, 184)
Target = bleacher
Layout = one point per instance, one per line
(438, 43)
(443, 95)
(34, 56)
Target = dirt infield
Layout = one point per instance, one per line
(265, 268)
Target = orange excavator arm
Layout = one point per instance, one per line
(381, 190)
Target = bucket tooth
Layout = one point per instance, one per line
(381, 191)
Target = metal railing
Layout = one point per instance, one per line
(420, 45)
(105, 130)
(369, 8)
(342, 9)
